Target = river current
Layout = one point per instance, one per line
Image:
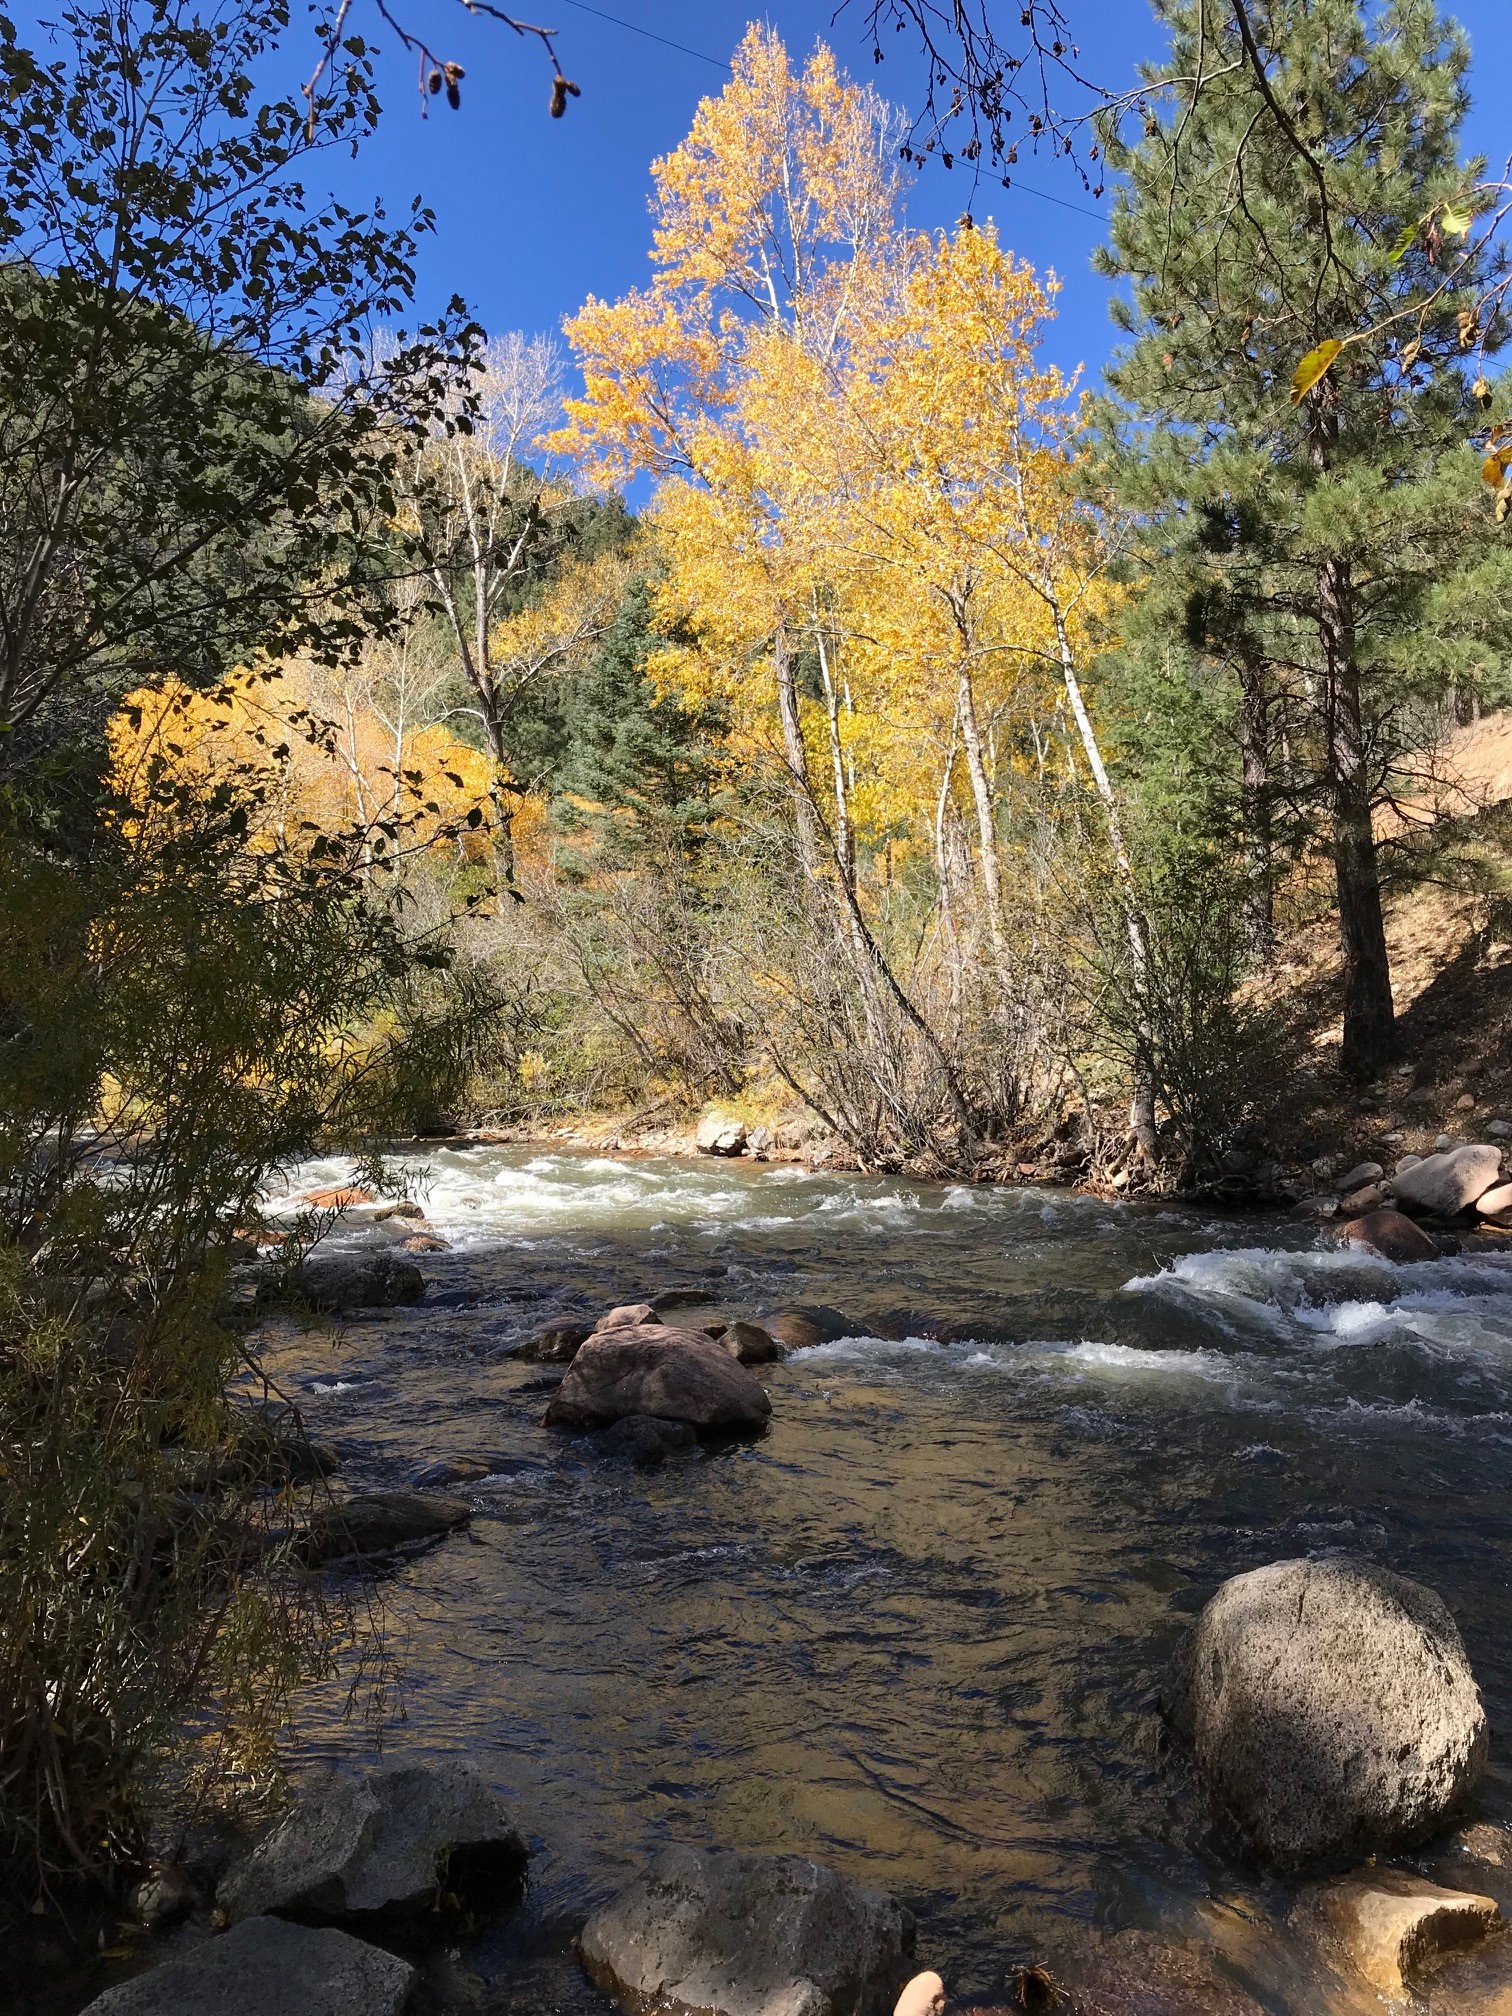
(919, 1629)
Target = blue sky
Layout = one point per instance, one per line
(534, 214)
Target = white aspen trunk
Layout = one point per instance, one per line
(845, 847)
(986, 816)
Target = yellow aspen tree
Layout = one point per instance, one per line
(768, 217)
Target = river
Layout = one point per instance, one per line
(918, 1630)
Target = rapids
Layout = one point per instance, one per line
(919, 1629)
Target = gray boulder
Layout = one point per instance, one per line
(1444, 1185)
(719, 1136)
(677, 1375)
(1331, 1708)
(267, 1968)
(391, 1840)
(748, 1935)
(368, 1280)
(378, 1522)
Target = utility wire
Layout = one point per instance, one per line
(702, 56)
(650, 35)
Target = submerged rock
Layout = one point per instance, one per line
(647, 1441)
(1446, 1184)
(1391, 1236)
(392, 1840)
(377, 1522)
(1397, 1928)
(721, 1934)
(809, 1323)
(677, 1375)
(1330, 1705)
(450, 1470)
(267, 1968)
(1137, 1974)
(358, 1280)
(557, 1345)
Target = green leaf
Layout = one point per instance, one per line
(1314, 365)
(1404, 244)
(1455, 223)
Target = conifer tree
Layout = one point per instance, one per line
(1289, 427)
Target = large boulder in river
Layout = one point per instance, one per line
(677, 1375)
(267, 1968)
(366, 1280)
(376, 1523)
(391, 1840)
(1390, 1235)
(1331, 1707)
(1444, 1185)
(748, 1935)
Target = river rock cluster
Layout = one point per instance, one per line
(1386, 1214)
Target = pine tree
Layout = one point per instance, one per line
(1310, 521)
(633, 751)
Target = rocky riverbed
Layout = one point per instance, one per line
(917, 1627)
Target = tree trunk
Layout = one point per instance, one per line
(845, 846)
(1142, 1104)
(1255, 800)
(986, 816)
(796, 756)
(1369, 1016)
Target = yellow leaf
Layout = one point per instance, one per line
(1493, 469)
(1455, 223)
(1314, 365)
(1411, 352)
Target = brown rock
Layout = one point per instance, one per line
(425, 1242)
(1397, 1928)
(402, 1210)
(809, 1323)
(339, 1198)
(1370, 1197)
(750, 1343)
(652, 1368)
(1466, 1102)
(626, 1316)
(1391, 1236)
